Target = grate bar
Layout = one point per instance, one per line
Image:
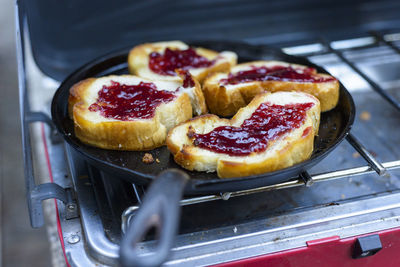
(129, 212)
(136, 190)
(373, 84)
(382, 39)
(391, 165)
(372, 161)
(315, 178)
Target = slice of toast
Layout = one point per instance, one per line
(293, 145)
(139, 58)
(224, 97)
(133, 122)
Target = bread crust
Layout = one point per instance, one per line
(139, 134)
(225, 101)
(138, 60)
(286, 151)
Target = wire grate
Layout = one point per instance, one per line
(373, 165)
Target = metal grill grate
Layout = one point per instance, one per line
(373, 165)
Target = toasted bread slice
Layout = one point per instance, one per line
(127, 133)
(291, 147)
(225, 99)
(139, 56)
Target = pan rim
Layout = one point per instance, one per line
(197, 182)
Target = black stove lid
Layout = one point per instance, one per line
(66, 34)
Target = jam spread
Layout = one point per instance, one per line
(125, 102)
(268, 122)
(172, 59)
(276, 73)
(187, 78)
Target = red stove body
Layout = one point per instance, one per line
(331, 252)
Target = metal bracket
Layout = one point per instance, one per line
(71, 205)
(226, 195)
(307, 179)
(37, 193)
(40, 193)
(36, 116)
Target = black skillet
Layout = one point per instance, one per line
(161, 204)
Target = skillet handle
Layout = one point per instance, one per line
(160, 209)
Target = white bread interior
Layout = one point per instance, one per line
(134, 134)
(289, 149)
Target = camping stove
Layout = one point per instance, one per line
(346, 211)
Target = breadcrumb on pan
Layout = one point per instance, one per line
(148, 158)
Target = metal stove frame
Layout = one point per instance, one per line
(348, 219)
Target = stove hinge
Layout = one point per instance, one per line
(51, 190)
(37, 193)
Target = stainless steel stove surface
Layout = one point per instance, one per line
(343, 197)
(354, 191)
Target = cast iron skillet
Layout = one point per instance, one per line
(172, 180)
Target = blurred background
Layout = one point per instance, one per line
(20, 244)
